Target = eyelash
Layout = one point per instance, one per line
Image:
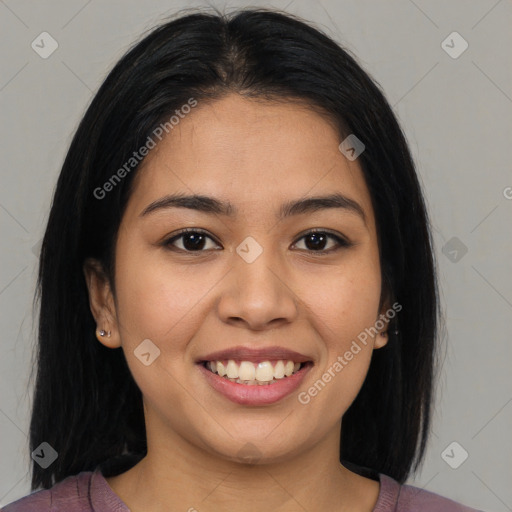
(342, 243)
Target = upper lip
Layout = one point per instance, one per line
(256, 355)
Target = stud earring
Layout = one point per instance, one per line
(103, 333)
(384, 333)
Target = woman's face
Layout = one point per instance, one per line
(255, 281)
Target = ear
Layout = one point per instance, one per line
(382, 325)
(101, 302)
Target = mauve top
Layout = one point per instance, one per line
(89, 492)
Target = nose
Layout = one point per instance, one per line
(258, 294)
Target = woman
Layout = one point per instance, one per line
(238, 291)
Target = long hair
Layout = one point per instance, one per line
(86, 404)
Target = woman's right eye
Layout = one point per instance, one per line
(192, 240)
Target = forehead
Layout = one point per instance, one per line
(252, 153)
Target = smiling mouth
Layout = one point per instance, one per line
(255, 374)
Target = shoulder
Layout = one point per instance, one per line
(407, 498)
(67, 495)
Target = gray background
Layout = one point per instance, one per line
(456, 113)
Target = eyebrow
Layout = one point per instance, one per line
(211, 205)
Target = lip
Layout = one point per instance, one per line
(255, 395)
(255, 355)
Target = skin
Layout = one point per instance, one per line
(256, 155)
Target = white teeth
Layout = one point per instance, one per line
(232, 369)
(265, 371)
(247, 372)
(221, 370)
(279, 370)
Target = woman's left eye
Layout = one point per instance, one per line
(194, 240)
(316, 238)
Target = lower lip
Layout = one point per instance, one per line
(244, 394)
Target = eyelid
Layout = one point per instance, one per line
(334, 234)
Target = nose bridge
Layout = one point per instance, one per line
(257, 291)
(257, 266)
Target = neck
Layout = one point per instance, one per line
(176, 475)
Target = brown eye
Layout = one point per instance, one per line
(192, 240)
(316, 241)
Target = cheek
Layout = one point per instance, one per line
(344, 302)
(342, 307)
(160, 302)
(154, 297)
(156, 301)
